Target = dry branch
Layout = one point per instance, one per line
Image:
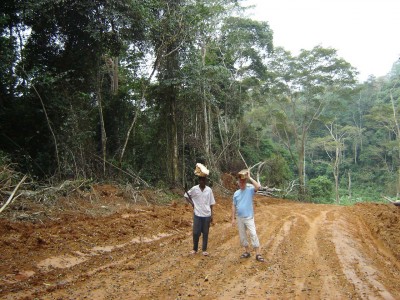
(397, 202)
(13, 193)
(48, 123)
(65, 188)
(131, 174)
(265, 190)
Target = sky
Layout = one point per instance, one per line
(366, 33)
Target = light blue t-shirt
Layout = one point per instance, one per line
(243, 201)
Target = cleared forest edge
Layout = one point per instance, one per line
(141, 252)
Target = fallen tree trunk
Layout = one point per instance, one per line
(269, 192)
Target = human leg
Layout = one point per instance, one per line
(251, 227)
(196, 232)
(254, 238)
(242, 232)
(205, 230)
(243, 237)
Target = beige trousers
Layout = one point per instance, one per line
(247, 225)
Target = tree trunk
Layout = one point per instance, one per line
(206, 129)
(336, 173)
(355, 153)
(349, 186)
(336, 186)
(171, 97)
(205, 126)
(301, 174)
(115, 75)
(173, 142)
(101, 117)
(301, 166)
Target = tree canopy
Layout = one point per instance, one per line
(122, 90)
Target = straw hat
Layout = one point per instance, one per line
(243, 174)
(201, 170)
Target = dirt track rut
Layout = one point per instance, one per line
(311, 252)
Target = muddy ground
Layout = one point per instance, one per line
(108, 245)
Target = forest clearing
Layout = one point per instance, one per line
(111, 247)
(132, 95)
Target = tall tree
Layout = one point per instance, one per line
(385, 115)
(299, 92)
(334, 145)
(242, 50)
(71, 55)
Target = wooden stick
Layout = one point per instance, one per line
(12, 194)
(243, 160)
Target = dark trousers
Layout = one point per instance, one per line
(201, 225)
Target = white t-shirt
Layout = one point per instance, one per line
(202, 200)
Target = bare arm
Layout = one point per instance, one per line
(233, 214)
(254, 183)
(189, 199)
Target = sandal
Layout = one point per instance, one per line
(205, 253)
(259, 258)
(193, 252)
(245, 255)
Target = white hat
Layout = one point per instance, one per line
(201, 170)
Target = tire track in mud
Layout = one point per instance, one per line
(311, 251)
(298, 253)
(364, 260)
(313, 274)
(94, 262)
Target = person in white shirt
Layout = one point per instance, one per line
(202, 199)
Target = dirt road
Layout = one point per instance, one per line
(142, 252)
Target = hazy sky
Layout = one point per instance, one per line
(366, 33)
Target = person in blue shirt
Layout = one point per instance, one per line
(243, 211)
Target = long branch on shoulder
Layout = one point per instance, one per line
(189, 200)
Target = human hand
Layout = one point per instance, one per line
(248, 174)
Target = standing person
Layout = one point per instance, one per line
(242, 209)
(202, 199)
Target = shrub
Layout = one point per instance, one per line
(320, 187)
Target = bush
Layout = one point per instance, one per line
(277, 171)
(320, 187)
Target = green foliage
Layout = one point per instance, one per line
(217, 82)
(246, 43)
(318, 168)
(320, 188)
(4, 159)
(366, 194)
(277, 171)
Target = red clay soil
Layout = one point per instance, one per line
(109, 247)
